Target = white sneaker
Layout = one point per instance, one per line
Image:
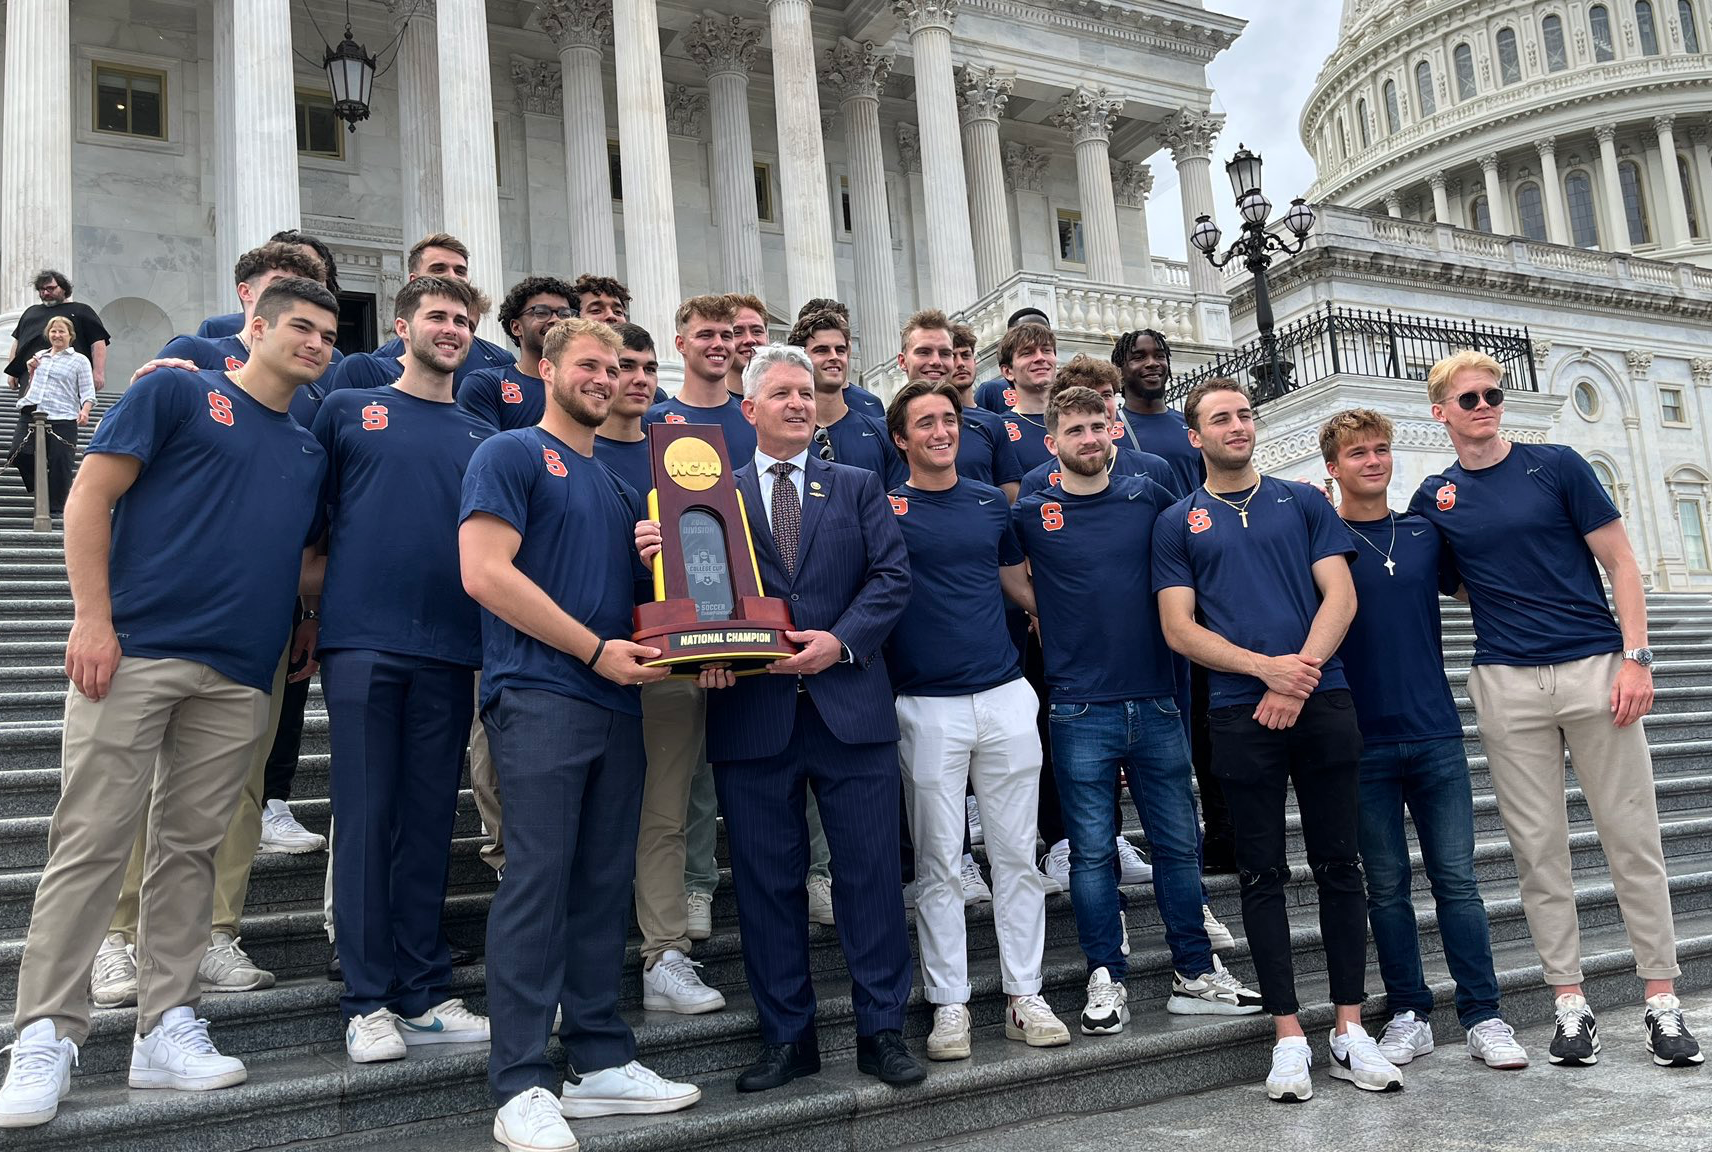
(1289, 1082)
(114, 981)
(448, 1022)
(39, 1078)
(1356, 1058)
(630, 1090)
(373, 1038)
(1107, 1009)
(1030, 1019)
(1136, 870)
(820, 900)
(672, 985)
(698, 915)
(1494, 1042)
(1055, 867)
(975, 890)
(1214, 993)
(1218, 936)
(282, 833)
(179, 1055)
(531, 1122)
(972, 810)
(1405, 1038)
(226, 967)
(950, 1038)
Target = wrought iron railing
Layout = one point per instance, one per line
(1359, 342)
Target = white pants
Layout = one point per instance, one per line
(988, 739)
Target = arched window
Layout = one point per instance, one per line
(1342, 141)
(1634, 202)
(1509, 60)
(1599, 24)
(1463, 58)
(1362, 126)
(1424, 104)
(1531, 211)
(1607, 479)
(1393, 117)
(1690, 31)
(1645, 29)
(1557, 55)
(1684, 173)
(1583, 224)
(1480, 215)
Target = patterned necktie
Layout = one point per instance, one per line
(787, 515)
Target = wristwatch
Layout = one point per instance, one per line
(311, 614)
(1641, 656)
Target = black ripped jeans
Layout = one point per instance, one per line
(1321, 756)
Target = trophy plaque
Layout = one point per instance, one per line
(708, 606)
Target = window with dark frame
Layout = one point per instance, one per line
(130, 101)
(319, 129)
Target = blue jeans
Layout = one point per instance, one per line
(1090, 742)
(1431, 778)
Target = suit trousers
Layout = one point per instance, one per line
(573, 775)
(701, 836)
(857, 786)
(165, 750)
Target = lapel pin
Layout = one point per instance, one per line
(814, 484)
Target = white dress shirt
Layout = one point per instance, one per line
(764, 476)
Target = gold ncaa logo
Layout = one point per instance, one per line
(692, 464)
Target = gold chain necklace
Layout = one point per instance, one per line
(1242, 508)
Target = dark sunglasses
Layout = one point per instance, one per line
(1469, 401)
(823, 445)
(541, 312)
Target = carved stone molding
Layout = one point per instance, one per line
(399, 11)
(685, 106)
(916, 15)
(1542, 350)
(909, 148)
(1701, 367)
(855, 70)
(723, 44)
(539, 86)
(1025, 165)
(1190, 134)
(1437, 180)
(577, 23)
(1640, 363)
(982, 93)
(1087, 114)
(1605, 133)
(1546, 146)
(1131, 183)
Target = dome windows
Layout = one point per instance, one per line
(1690, 30)
(1480, 215)
(1393, 114)
(1531, 211)
(1583, 224)
(1599, 25)
(1509, 60)
(1634, 202)
(1424, 104)
(1363, 124)
(1645, 29)
(1463, 58)
(1557, 53)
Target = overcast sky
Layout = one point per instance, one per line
(1260, 84)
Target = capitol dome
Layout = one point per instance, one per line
(1564, 121)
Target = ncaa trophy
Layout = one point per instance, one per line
(708, 605)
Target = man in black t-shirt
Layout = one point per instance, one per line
(30, 336)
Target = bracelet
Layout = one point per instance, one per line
(595, 658)
(311, 614)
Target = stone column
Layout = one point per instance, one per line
(226, 248)
(650, 227)
(1036, 232)
(981, 94)
(1131, 183)
(580, 30)
(1616, 220)
(1441, 201)
(1190, 137)
(1394, 205)
(1086, 116)
(1497, 211)
(1676, 209)
(264, 113)
(857, 72)
(418, 117)
(725, 48)
(809, 267)
(950, 246)
(466, 135)
(35, 181)
(1557, 216)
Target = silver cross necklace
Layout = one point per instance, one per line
(1390, 564)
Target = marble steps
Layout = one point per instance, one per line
(312, 1098)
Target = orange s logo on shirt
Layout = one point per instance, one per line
(1118, 431)
(1014, 431)
(1199, 520)
(1054, 477)
(374, 417)
(1010, 397)
(1447, 497)
(1052, 516)
(555, 465)
(510, 393)
(220, 408)
(900, 505)
(676, 418)
(233, 363)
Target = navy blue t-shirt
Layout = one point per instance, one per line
(997, 395)
(395, 472)
(1165, 434)
(229, 354)
(865, 402)
(364, 370)
(1028, 439)
(984, 449)
(862, 441)
(1124, 463)
(207, 545)
(739, 433)
(483, 354)
(227, 324)
(1091, 558)
(578, 522)
(1517, 531)
(630, 460)
(505, 397)
(957, 540)
(1254, 586)
(1393, 654)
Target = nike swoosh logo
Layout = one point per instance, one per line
(1285, 499)
(1421, 532)
(477, 436)
(439, 1025)
(989, 500)
(1531, 471)
(307, 450)
(1133, 495)
(867, 433)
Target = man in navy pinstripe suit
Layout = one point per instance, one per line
(827, 543)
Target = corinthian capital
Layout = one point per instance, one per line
(402, 10)
(909, 148)
(577, 23)
(1024, 167)
(1087, 114)
(723, 44)
(538, 85)
(684, 109)
(982, 93)
(916, 15)
(1131, 182)
(856, 71)
(1190, 134)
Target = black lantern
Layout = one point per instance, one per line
(350, 76)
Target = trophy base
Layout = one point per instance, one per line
(746, 644)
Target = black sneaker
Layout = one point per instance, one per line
(1669, 1041)
(1576, 1041)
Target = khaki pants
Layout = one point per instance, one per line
(1527, 717)
(166, 750)
(237, 852)
(674, 734)
(484, 782)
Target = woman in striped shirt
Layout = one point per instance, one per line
(62, 385)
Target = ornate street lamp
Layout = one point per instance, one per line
(1254, 246)
(350, 76)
